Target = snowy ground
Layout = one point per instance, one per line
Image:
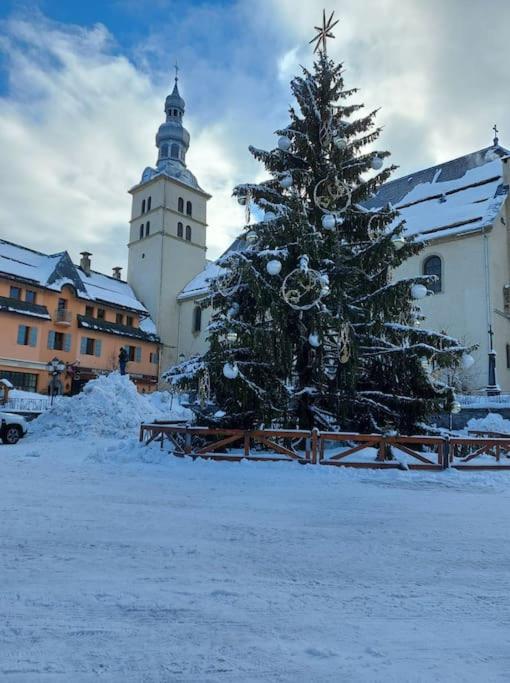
(118, 563)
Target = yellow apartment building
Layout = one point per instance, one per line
(52, 308)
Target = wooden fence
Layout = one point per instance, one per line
(331, 448)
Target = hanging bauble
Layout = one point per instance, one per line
(313, 340)
(455, 407)
(467, 361)
(241, 200)
(284, 143)
(232, 337)
(269, 216)
(398, 243)
(325, 290)
(328, 221)
(302, 288)
(273, 267)
(233, 310)
(230, 371)
(418, 291)
(340, 142)
(286, 181)
(251, 237)
(376, 163)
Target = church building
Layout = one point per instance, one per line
(458, 209)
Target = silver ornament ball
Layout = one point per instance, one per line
(230, 371)
(274, 267)
(376, 163)
(284, 144)
(328, 221)
(418, 291)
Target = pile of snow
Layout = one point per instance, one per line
(108, 406)
(493, 422)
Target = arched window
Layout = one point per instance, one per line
(188, 208)
(141, 231)
(143, 205)
(147, 228)
(433, 266)
(164, 151)
(188, 233)
(180, 229)
(174, 151)
(149, 202)
(197, 319)
(180, 205)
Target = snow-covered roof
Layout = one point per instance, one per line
(53, 271)
(459, 196)
(199, 285)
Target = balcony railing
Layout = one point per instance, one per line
(62, 316)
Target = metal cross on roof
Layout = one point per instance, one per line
(496, 131)
(323, 33)
(176, 67)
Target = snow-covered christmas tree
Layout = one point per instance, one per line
(310, 326)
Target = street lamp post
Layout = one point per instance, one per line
(55, 368)
(492, 385)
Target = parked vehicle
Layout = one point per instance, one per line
(12, 427)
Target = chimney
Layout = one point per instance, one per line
(85, 261)
(116, 272)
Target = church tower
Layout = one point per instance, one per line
(167, 240)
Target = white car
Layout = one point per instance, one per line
(12, 427)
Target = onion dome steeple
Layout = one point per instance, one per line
(172, 139)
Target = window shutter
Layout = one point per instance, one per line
(51, 339)
(67, 342)
(97, 348)
(33, 336)
(21, 334)
(138, 354)
(83, 345)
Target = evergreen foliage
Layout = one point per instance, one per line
(348, 353)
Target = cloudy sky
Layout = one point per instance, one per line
(82, 87)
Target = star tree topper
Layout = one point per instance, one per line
(323, 33)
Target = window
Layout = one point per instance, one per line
(58, 341)
(15, 293)
(101, 314)
(143, 205)
(174, 151)
(506, 299)
(147, 228)
(89, 311)
(27, 336)
(134, 353)
(119, 318)
(141, 230)
(188, 208)
(30, 296)
(180, 230)
(21, 380)
(164, 151)
(197, 319)
(129, 320)
(149, 202)
(432, 266)
(188, 233)
(180, 205)
(154, 357)
(62, 304)
(90, 346)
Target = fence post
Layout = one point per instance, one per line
(446, 453)
(314, 453)
(141, 432)
(246, 444)
(187, 442)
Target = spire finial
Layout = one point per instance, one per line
(496, 131)
(176, 67)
